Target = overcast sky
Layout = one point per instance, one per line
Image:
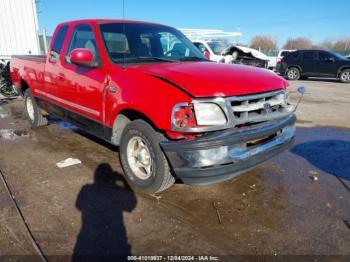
(316, 19)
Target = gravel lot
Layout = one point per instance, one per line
(276, 209)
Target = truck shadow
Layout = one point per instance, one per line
(331, 156)
(102, 205)
(65, 125)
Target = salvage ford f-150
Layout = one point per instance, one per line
(147, 89)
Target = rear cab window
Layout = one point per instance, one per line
(57, 44)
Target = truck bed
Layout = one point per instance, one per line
(37, 58)
(29, 68)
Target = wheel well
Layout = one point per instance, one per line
(342, 69)
(24, 86)
(297, 67)
(124, 118)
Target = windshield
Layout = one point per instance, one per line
(218, 47)
(147, 43)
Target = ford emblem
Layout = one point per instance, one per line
(267, 106)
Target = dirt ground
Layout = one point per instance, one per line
(274, 210)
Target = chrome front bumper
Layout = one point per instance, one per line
(226, 154)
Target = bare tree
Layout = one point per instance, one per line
(298, 43)
(264, 43)
(328, 43)
(342, 44)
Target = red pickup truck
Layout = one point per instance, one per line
(147, 89)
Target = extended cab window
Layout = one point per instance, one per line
(83, 37)
(58, 43)
(147, 43)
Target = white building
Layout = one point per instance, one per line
(18, 28)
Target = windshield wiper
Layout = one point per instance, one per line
(192, 58)
(156, 58)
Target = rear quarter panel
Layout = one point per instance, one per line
(28, 69)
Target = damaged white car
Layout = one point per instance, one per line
(221, 52)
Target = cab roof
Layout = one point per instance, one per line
(99, 21)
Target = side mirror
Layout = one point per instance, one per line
(83, 57)
(206, 54)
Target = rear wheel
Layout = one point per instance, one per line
(345, 76)
(293, 73)
(32, 110)
(143, 161)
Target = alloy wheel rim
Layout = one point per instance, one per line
(346, 76)
(292, 74)
(139, 158)
(30, 108)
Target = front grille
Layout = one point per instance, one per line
(260, 107)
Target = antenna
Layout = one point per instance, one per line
(124, 32)
(123, 9)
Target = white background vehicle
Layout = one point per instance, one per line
(221, 51)
(214, 48)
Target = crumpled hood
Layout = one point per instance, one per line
(255, 53)
(207, 79)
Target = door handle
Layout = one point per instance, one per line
(61, 77)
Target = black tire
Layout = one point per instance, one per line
(34, 116)
(293, 73)
(344, 76)
(159, 178)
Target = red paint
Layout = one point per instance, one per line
(86, 91)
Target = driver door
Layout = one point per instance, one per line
(84, 93)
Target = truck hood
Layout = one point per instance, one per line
(207, 79)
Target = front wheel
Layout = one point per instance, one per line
(293, 73)
(345, 76)
(32, 110)
(142, 159)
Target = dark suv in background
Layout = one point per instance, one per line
(314, 63)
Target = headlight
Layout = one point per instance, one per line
(197, 115)
(209, 114)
